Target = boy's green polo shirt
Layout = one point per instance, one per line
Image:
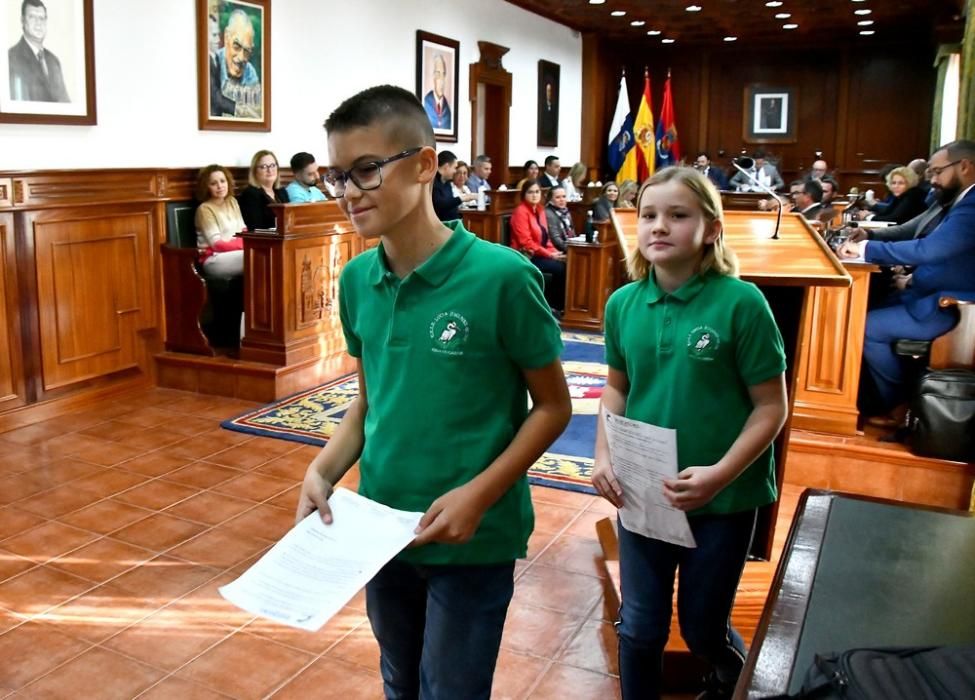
(442, 352)
(690, 357)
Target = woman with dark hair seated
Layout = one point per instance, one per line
(606, 202)
(529, 234)
(264, 188)
(558, 218)
(530, 170)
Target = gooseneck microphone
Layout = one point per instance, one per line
(743, 165)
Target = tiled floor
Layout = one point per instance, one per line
(119, 522)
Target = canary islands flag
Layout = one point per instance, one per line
(668, 146)
(622, 160)
(643, 134)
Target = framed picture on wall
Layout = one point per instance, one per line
(769, 114)
(548, 103)
(47, 65)
(233, 61)
(437, 82)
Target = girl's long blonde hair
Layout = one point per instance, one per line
(717, 256)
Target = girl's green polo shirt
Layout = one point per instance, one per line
(442, 351)
(690, 357)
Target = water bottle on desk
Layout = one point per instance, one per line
(481, 199)
(589, 230)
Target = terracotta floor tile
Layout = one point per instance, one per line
(97, 673)
(358, 647)
(332, 679)
(554, 519)
(594, 647)
(107, 453)
(16, 458)
(102, 559)
(263, 521)
(47, 541)
(39, 589)
(204, 444)
(59, 500)
(167, 640)
(66, 445)
(289, 499)
(105, 516)
(159, 532)
(601, 505)
(148, 416)
(221, 547)
(538, 542)
(174, 687)
(268, 665)
(155, 463)
(206, 605)
(31, 434)
(251, 454)
(113, 430)
(254, 487)
(149, 438)
(515, 675)
(17, 486)
(156, 494)
(64, 469)
(577, 554)
(584, 684)
(559, 590)
(187, 427)
(13, 521)
(537, 631)
(12, 565)
(10, 620)
(99, 613)
(201, 475)
(291, 466)
(585, 524)
(560, 497)
(210, 507)
(31, 650)
(165, 579)
(110, 482)
(334, 631)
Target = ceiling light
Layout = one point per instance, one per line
(618, 13)
(790, 26)
(731, 38)
(783, 15)
(637, 23)
(667, 41)
(862, 12)
(774, 3)
(864, 22)
(693, 8)
(867, 32)
(858, 0)
(653, 32)
(596, 2)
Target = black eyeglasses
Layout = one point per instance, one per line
(932, 172)
(367, 176)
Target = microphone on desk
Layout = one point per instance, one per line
(743, 165)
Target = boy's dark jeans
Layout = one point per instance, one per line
(708, 580)
(439, 628)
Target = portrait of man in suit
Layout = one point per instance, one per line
(548, 104)
(35, 72)
(435, 101)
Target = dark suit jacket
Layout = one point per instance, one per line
(904, 208)
(27, 79)
(253, 206)
(719, 179)
(812, 213)
(909, 230)
(445, 203)
(944, 260)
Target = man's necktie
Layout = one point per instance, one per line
(40, 59)
(932, 223)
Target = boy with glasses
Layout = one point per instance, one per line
(451, 334)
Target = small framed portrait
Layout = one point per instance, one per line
(548, 103)
(233, 61)
(437, 82)
(769, 114)
(47, 69)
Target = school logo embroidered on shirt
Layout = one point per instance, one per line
(703, 343)
(448, 333)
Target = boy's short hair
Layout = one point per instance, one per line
(300, 161)
(445, 157)
(393, 107)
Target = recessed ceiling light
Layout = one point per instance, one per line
(783, 15)
(790, 26)
(596, 2)
(654, 32)
(618, 13)
(637, 23)
(731, 38)
(693, 8)
(667, 41)
(774, 3)
(867, 32)
(862, 12)
(864, 22)
(858, 0)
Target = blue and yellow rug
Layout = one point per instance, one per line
(311, 416)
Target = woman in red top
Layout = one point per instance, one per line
(529, 234)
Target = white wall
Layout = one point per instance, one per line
(322, 52)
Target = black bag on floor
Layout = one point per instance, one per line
(915, 673)
(942, 421)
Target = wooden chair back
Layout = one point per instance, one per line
(956, 348)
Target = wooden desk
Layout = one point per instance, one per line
(743, 201)
(487, 223)
(593, 272)
(861, 572)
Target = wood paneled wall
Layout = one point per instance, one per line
(862, 107)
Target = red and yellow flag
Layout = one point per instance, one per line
(644, 135)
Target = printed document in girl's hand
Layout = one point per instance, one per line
(316, 569)
(643, 456)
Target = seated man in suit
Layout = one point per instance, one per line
(553, 168)
(808, 200)
(763, 171)
(445, 202)
(703, 164)
(943, 260)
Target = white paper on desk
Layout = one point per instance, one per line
(316, 569)
(643, 456)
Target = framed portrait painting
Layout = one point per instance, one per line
(233, 60)
(769, 114)
(437, 82)
(47, 65)
(548, 103)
